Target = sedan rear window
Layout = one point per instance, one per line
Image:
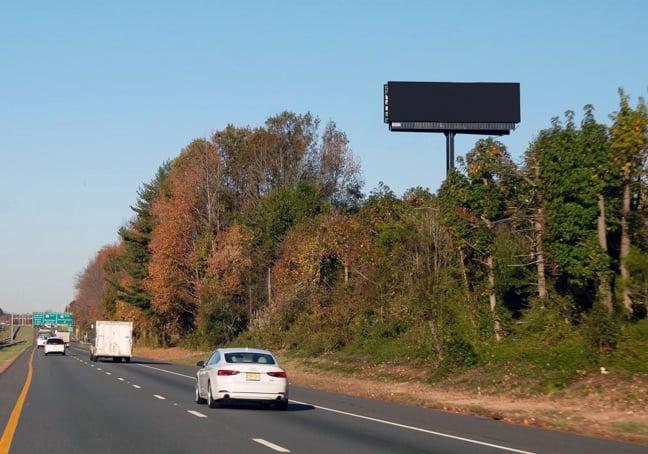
(247, 357)
(55, 340)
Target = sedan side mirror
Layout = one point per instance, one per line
(200, 364)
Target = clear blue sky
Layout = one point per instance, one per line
(96, 95)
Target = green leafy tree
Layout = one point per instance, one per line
(474, 205)
(595, 151)
(572, 211)
(629, 146)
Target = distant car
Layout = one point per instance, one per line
(54, 345)
(41, 340)
(241, 374)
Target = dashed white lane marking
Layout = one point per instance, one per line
(157, 396)
(418, 429)
(137, 386)
(120, 379)
(270, 445)
(108, 373)
(196, 413)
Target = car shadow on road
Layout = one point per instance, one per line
(292, 406)
(240, 405)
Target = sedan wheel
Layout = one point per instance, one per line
(213, 403)
(199, 400)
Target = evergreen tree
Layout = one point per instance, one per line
(136, 237)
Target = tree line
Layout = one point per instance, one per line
(263, 235)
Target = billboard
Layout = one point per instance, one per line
(491, 108)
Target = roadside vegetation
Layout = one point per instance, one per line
(531, 276)
(23, 341)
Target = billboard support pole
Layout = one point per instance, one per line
(486, 108)
(450, 135)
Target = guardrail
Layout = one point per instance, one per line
(10, 343)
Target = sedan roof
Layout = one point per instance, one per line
(243, 349)
(55, 340)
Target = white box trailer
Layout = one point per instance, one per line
(112, 339)
(65, 335)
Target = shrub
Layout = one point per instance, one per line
(601, 330)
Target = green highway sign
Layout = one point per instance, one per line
(38, 318)
(56, 318)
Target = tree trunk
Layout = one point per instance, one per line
(269, 287)
(539, 256)
(464, 274)
(605, 290)
(437, 341)
(493, 297)
(625, 246)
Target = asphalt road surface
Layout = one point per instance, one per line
(68, 404)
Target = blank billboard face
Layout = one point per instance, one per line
(452, 102)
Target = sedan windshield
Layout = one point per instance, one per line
(248, 357)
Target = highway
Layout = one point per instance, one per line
(68, 404)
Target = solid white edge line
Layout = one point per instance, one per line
(196, 413)
(418, 429)
(270, 445)
(168, 371)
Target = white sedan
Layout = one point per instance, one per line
(40, 342)
(54, 345)
(243, 374)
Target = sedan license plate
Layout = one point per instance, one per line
(252, 376)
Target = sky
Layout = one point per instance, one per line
(96, 95)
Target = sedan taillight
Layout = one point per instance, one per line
(227, 372)
(277, 374)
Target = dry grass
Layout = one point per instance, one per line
(600, 406)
